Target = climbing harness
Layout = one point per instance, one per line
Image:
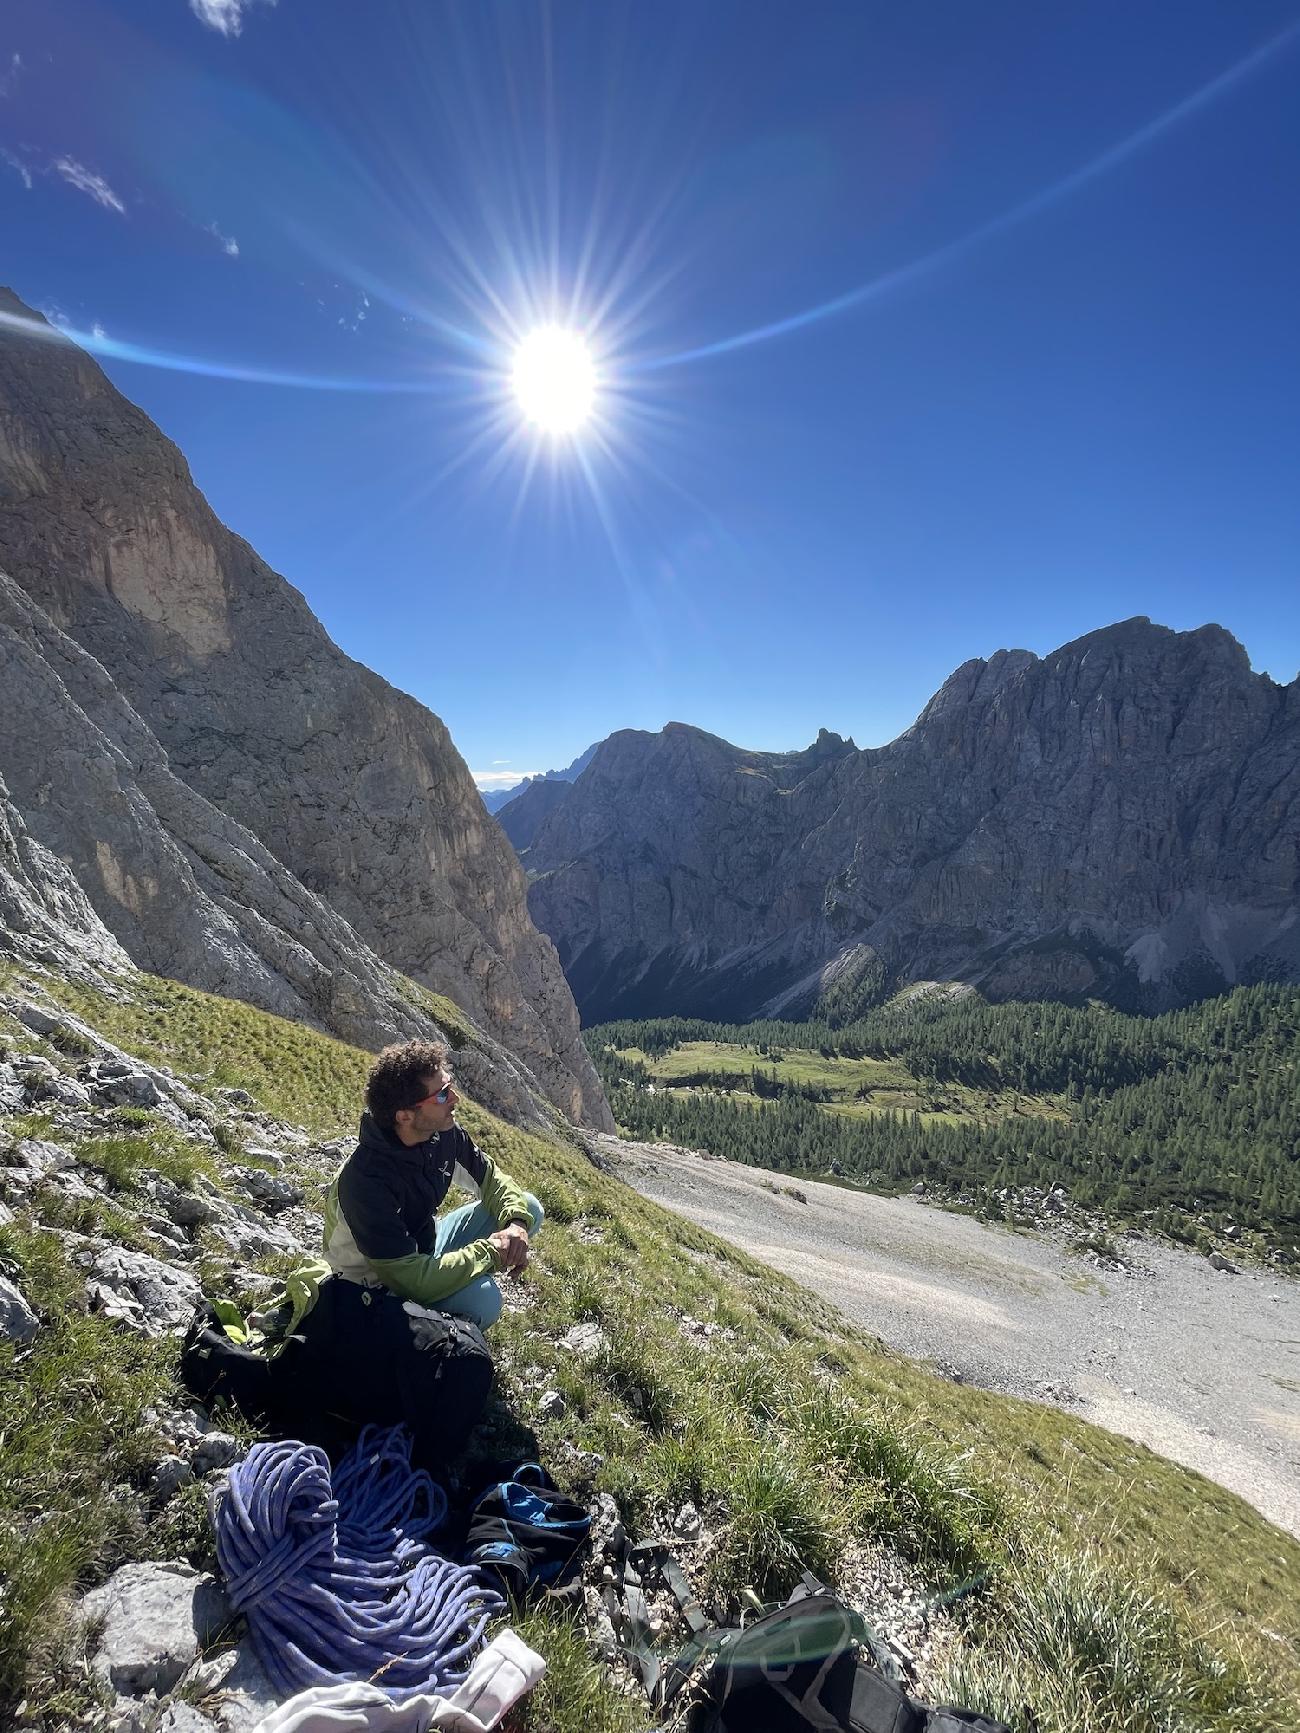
(338, 1581)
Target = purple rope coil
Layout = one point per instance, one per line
(338, 1581)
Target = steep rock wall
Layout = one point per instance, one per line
(351, 786)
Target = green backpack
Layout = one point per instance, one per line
(814, 1666)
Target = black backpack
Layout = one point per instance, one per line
(362, 1358)
(800, 1669)
(215, 1368)
(358, 1357)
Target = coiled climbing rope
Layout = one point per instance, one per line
(338, 1581)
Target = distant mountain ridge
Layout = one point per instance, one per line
(495, 799)
(1119, 819)
(197, 777)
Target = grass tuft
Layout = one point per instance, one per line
(123, 1159)
(1070, 1647)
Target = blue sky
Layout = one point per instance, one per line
(1053, 381)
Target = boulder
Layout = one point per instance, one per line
(187, 1209)
(584, 1340)
(43, 1158)
(155, 1297)
(215, 1450)
(249, 1235)
(266, 1190)
(128, 1089)
(18, 1322)
(171, 1474)
(156, 1617)
(246, 1694)
(1217, 1261)
(33, 1066)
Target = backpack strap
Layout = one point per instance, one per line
(626, 1603)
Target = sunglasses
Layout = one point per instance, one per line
(441, 1096)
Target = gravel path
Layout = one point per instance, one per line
(1203, 1367)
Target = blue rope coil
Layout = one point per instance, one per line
(338, 1581)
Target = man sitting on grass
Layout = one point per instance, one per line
(379, 1217)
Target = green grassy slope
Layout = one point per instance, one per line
(794, 1434)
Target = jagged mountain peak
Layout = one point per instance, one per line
(1119, 818)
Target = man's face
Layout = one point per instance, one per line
(418, 1124)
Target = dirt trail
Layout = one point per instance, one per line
(1201, 1366)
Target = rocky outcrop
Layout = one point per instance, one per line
(1118, 819)
(241, 805)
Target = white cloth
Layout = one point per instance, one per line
(504, 1671)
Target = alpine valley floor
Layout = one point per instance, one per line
(1201, 1366)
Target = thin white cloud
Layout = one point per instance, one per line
(500, 761)
(9, 77)
(86, 181)
(501, 778)
(226, 17)
(229, 245)
(98, 332)
(19, 167)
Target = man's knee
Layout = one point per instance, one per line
(536, 1211)
(487, 1305)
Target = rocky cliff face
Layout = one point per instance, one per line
(1120, 818)
(240, 804)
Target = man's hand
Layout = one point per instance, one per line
(511, 1245)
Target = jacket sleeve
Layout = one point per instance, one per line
(428, 1278)
(502, 1196)
(373, 1214)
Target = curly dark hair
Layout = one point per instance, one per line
(398, 1075)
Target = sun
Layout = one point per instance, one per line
(554, 379)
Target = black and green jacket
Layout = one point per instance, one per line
(379, 1216)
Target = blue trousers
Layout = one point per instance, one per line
(479, 1300)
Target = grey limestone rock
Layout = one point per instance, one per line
(248, 1233)
(18, 1323)
(65, 1090)
(246, 1695)
(215, 1450)
(181, 1717)
(151, 1295)
(584, 1340)
(42, 1158)
(171, 1474)
(265, 1190)
(551, 1405)
(156, 1617)
(187, 1209)
(236, 801)
(35, 1068)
